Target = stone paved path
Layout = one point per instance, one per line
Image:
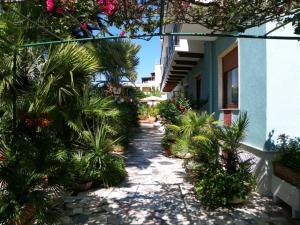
(156, 192)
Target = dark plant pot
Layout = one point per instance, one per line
(168, 152)
(118, 149)
(236, 200)
(286, 174)
(83, 186)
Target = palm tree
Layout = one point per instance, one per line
(118, 59)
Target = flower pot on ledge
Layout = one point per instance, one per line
(286, 174)
(168, 152)
(83, 186)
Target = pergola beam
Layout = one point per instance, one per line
(246, 36)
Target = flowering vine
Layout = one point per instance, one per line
(108, 6)
(143, 16)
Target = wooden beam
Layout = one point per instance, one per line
(181, 68)
(186, 62)
(179, 72)
(176, 76)
(190, 54)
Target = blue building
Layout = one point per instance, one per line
(227, 76)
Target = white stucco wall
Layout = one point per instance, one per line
(283, 84)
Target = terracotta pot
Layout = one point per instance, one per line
(286, 174)
(27, 214)
(118, 149)
(168, 152)
(151, 119)
(2, 157)
(83, 186)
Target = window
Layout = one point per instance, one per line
(231, 89)
(230, 79)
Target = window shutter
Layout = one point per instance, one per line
(230, 61)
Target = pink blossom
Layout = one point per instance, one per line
(108, 6)
(186, 5)
(50, 6)
(60, 10)
(84, 26)
(122, 34)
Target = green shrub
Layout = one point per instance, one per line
(113, 172)
(31, 176)
(169, 112)
(143, 111)
(289, 149)
(82, 169)
(218, 188)
(219, 174)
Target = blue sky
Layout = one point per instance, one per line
(149, 56)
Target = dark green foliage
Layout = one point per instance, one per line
(113, 173)
(169, 112)
(289, 149)
(218, 188)
(28, 176)
(128, 119)
(66, 129)
(220, 176)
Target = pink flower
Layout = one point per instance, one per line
(108, 6)
(50, 6)
(186, 5)
(84, 26)
(60, 10)
(122, 34)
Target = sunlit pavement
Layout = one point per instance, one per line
(156, 192)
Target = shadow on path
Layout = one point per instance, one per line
(156, 192)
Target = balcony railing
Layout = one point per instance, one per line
(172, 41)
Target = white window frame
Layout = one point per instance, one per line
(220, 76)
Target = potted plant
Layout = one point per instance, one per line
(143, 112)
(118, 148)
(166, 143)
(83, 172)
(152, 114)
(287, 166)
(227, 179)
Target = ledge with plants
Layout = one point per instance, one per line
(286, 178)
(148, 114)
(287, 166)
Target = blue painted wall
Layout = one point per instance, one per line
(252, 68)
(253, 86)
(283, 84)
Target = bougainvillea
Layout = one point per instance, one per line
(50, 5)
(182, 104)
(108, 6)
(144, 16)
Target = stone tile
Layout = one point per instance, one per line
(156, 193)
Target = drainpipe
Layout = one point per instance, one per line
(211, 97)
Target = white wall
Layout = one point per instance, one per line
(283, 84)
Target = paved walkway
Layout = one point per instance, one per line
(156, 193)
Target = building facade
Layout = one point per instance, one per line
(152, 82)
(227, 76)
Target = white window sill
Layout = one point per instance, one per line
(230, 109)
